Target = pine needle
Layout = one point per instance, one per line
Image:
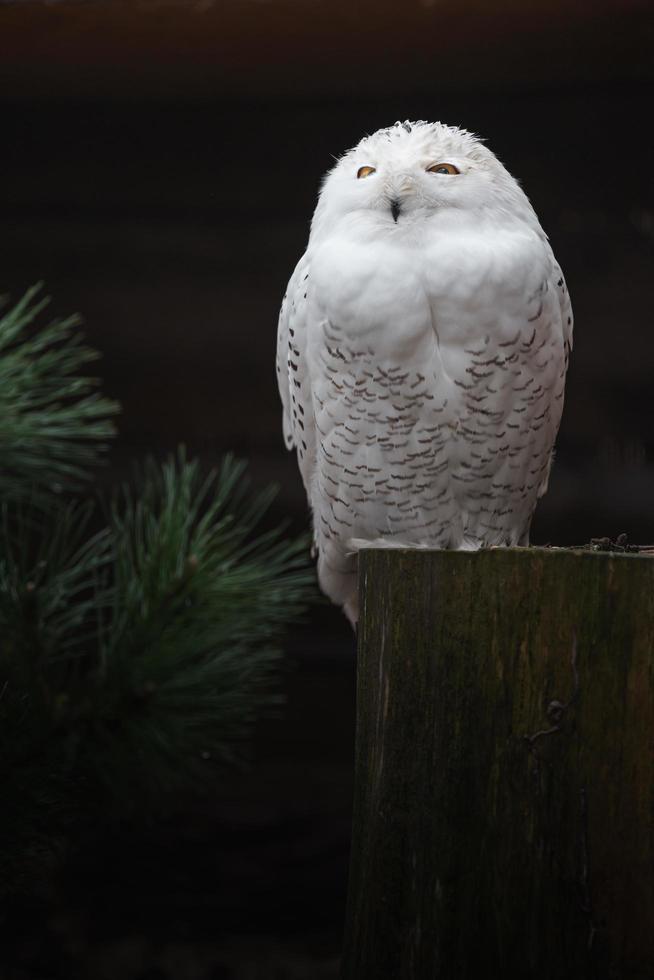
(54, 425)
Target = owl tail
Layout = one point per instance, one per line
(351, 610)
(337, 575)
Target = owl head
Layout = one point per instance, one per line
(413, 172)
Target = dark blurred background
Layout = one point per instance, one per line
(160, 162)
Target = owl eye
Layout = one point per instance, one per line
(365, 171)
(443, 168)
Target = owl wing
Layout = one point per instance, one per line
(558, 283)
(293, 374)
(557, 286)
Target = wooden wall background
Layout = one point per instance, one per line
(159, 163)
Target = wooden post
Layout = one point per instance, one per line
(504, 796)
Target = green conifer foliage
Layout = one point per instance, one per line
(139, 644)
(54, 424)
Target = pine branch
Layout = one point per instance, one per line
(191, 655)
(54, 425)
(134, 658)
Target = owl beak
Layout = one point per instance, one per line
(395, 209)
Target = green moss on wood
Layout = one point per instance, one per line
(504, 805)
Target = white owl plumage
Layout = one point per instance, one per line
(422, 350)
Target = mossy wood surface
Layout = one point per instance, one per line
(504, 801)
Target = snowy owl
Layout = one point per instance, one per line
(422, 351)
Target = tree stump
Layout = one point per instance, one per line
(504, 788)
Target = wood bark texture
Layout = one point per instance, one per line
(504, 788)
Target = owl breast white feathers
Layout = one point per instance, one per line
(422, 351)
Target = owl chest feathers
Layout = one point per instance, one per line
(429, 300)
(435, 373)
